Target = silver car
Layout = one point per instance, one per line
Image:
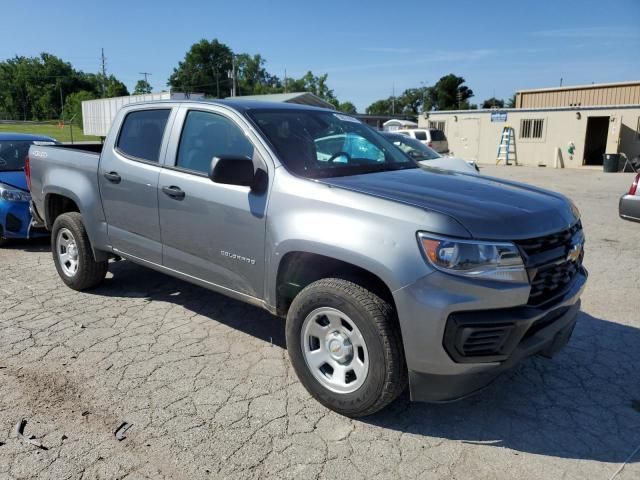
(629, 206)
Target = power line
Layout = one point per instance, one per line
(146, 74)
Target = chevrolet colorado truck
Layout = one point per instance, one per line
(388, 273)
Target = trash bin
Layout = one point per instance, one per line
(610, 162)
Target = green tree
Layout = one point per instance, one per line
(511, 103)
(380, 107)
(142, 86)
(252, 76)
(73, 106)
(346, 107)
(204, 69)
(36, 88)
(449, 93)
(493, 102)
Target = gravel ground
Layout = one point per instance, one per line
(206, 383)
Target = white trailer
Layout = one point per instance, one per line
(97, 115)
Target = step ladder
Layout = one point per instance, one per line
(507, 147)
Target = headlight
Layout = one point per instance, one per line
(500, 261)
(11, 194)
(574, 209)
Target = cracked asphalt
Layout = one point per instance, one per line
(206, 383)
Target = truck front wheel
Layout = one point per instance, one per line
(72, 253)
(345, 346)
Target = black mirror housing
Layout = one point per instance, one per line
(232, 171)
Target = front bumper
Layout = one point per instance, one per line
(439, 370)
(15, 221)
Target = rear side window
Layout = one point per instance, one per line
(437, 136)
(206, 135)
(420, 134)
(141, 134)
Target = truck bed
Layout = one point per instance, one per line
(70, 171)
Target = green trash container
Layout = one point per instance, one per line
(610, 162)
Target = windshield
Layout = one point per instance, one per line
(13, 154)
(414, 148)
(318, 144)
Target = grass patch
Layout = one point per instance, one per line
(50, 130)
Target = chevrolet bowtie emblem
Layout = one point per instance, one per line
(574, 253)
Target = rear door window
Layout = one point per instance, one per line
(141, 134)
(420, 134)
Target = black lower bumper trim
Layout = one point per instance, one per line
(426, 387)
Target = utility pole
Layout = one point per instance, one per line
(103, 60)
(61, 101)
(146, 74)
(393, 98)
(232, 75)
(285, 80)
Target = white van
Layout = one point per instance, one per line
(431, 137)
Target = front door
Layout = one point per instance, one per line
(128, 180)
(470, 139)
(211, 231)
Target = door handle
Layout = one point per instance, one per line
(113, 177)
(174, 192)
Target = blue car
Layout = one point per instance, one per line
(15, 218)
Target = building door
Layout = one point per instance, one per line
(613, 135)
(595, 141)
(469, 138)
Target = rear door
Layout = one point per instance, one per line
(128, 179)
(211, 231)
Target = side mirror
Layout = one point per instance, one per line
(237, 171)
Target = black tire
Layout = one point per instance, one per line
(376, 320)
(3, 241)
(89, 272)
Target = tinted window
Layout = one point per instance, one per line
(420, 134)
(13, 154)
(207, 135)
(141, 134)
(437, 136)
(325, 144)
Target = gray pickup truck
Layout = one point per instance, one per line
(387, 272)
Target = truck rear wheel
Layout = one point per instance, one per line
(72, 253)
(345, 346)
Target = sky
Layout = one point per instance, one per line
(370, 49)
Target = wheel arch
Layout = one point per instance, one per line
(299, 268)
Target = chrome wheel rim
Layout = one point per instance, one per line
(67, 251)
(334, 350)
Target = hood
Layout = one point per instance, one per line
(489, 208)
(16, 179)
(450, 163)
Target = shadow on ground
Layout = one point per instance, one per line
(583, 404)
(40, 244)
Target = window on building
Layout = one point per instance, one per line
(438, 125)
(532, 128)
(141, 134)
